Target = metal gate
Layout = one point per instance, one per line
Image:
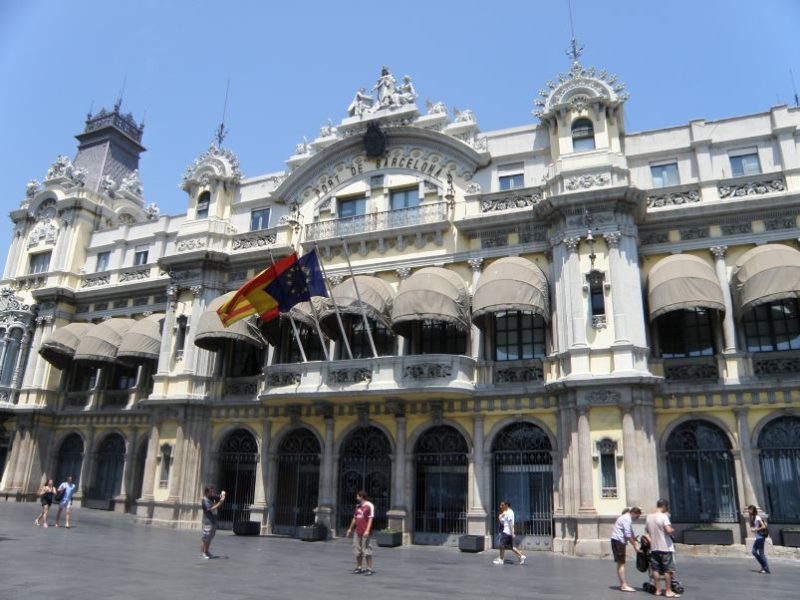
(365, 464)
(523, 476)
(110, 465)
(70, 459)
(238, 462)
(440, 507)
(298, 482)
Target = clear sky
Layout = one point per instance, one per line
(293, 65)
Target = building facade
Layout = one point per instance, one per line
(562, 314)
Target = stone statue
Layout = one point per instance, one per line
(59, 167)
(132, 184)
(463, 116)
(406, 92)
(31, 188)
(107, 184)
(385, 87)
(438, 108)
(327, 130)
(77, 175)
(152, 211)
(302, 148)
(362, 102)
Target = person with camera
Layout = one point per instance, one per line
(211, 504)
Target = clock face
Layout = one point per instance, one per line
(374, 141)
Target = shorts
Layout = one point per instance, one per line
(618, 550)
(65, 503)
(47, 501)
(209, 531)
(662, 562)
(362, 545)
(505, 541)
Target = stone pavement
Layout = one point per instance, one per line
(106, 555)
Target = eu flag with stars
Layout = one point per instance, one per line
(298, 283)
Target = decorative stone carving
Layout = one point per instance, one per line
(218, 163)
(193, 244)
(603, 397)
(31, 188)
(327, 130)
(126, 219)
(572, 243)
(302, 148)
(241, 388)
(691, 371)
(362, 103)
(737, 228)
(335, 279)
(355, 375)
(599, 322)
(780, 223)
(694, 233)
(246, 242)
(152, 211)
(43, 233)
(107, 185)
(58, 168)
(436, 108)
(99, 280)
(776, 365)
(463, 116)
(533, 372)
(475, 264)
(134, 275)
(474, 188)
(11, 302)
(509, 202)
(428, 371)
(284, 378)
(718, 251)
(612, 238)
(132, 184)
(655, 237)
(403, 272)
(196, 290)
(578, 88)
(587, 181)
(752, 188)
(673, 198)
(528, 233)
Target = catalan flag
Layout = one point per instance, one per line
(275, 290)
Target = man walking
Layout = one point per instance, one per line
(361, 523)
(621, 535)
(659, 528)
(210, 519)
(65, 492)
(506, 542)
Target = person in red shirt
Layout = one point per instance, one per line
(362, 525)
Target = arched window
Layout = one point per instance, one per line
(203, 202)
(440, 508)
(365, 464)
(582, 135)
(238, 459)
(686, 333)
(519, 335)
(165, 457)
(779, 453)
(523, 475)
(607, 457)
(70, 459)
(297, 493)
(773, 327)
(700, 469)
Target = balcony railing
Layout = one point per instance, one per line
(77, 399)
(116, 398)
(423, 214)
(770, 364)
(701, 368)
(512, 372)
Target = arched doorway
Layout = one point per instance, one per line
(70, 459)
(440, 506)
(523, 475)
(297, 493)
(365, 463)
(238, 459)
(779, 453)
(110, 465)
(702, 487)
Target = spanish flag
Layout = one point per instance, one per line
(275, 290)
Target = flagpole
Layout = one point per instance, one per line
(358, 296)
(291, 320)
(319, 329)
(335, 306)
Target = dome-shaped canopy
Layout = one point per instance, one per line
(683, 281)
(511, 283)
(376, 294)
(432, 293)
(99, 345)
(143, 340)
(59, 348)
(765, 274)
(211, 334)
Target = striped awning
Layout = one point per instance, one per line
(434, 294)
(59, 348)
(99, 345)
(511, 283)
(682, 281)
(764, 274)
(143, 340)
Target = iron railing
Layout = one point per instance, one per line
(432, 212)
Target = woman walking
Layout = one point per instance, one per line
(761, 532)
(46, 493)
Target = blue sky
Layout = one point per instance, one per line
(294, 65)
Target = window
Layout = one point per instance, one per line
(745, 164)
(664, 175)
(180, 336)
(359, 342)
(597, 300)
(512, 182)
(519, 335)
(10, 356)
(245, 360)
(406, 198)
(102, 261)
(124, 377)
(82, 378)
(607, 456)
(773, 327)
(582, 135)
(202, 205)
(310, 340)
(685, 333)
(166, 463)
(140, 255)
(438, 337)
(779, 454)
(352, 207)
(40, 263)
(259, 219)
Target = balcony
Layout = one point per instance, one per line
(77, 400)
(512, 372)
(691, 370)
(385, 373)
(776, 364)
(429, 217)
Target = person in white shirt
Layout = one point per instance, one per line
(621, 536)
(662, 563)
(761, 531)
(64, 497)
(506, 537)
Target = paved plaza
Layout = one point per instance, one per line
(106, 555)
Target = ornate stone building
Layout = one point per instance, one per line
(562, 314)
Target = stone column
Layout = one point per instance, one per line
(190, 350)
(573, 287)
(563, 325)
(630, 453)
(403, 343)
(164, 358)
(262, 472)
(617, 273)
(476, 334)
(176, 472)
(128, 468)
(585, 462)
(149, 478)
(33, 361)
(37, 377)
(728, 327)
(749, 475)
(87, 466)
(22, 359)
(59, 251)
(326, 502)
(399, 511)
(476, 517)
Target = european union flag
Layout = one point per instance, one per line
(298, 282)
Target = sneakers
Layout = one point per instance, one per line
(36, 523)
(357, 571)
(522, 559)
(205, 556)
(498, 561)
(368, 571)
(45, 525)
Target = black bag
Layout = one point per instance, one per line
(642, 562)
(59, 496)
